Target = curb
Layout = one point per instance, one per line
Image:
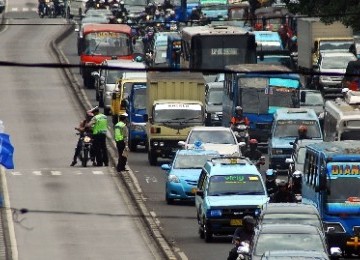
(128, 178)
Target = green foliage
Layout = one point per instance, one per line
(346, 11)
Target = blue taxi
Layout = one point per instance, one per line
(228, 189)
(183, 173)
(285, 131)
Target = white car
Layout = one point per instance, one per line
(216, 138)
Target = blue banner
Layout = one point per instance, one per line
(6, 151)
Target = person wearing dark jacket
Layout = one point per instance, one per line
(283, 194)
(246, 232)
(233, 254)
(253, 153)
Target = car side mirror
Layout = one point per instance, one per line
(289, 160)
(95, 74)
(166, 167)
(200, 193)
(182, 143)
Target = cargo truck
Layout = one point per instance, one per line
(314, 37)
(175, 104)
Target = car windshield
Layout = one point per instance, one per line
(140, 98)
(338, 62)
(235, 184)
(113, 76)
(313, 99)
(215, 97)
(289, 128)
(214, 137)
(107, 43)
(191, 161)
(272, 242)
(343, 189)
(296, 218)
(350, 135)
(135, 2)
(177, 113)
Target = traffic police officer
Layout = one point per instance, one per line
(99, 126)
(121, 139)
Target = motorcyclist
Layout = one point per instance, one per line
(41, 6)
(195, 14)
(253, 153)
(82, 129)
(246, 232)
(233, 254)
(158, 18)
(270, 182)
(171, 17)
(121, 11)
(238, 118)
(150, 9)
(283, 194)
(167, 5)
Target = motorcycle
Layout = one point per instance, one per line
(51, 10)
(242, 135)
(43, 10)
(86, 146)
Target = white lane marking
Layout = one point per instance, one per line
(9, 217)
(78, 172)
(25, 9)
(14, 9)
(149, 179)
(98, 172)
(16, 173)
(38, 173)
(55, 173)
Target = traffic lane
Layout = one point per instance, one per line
(40, 114)
(179, 220)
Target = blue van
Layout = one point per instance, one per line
(284, 132)
(228, 189)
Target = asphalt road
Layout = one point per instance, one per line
(74, 212)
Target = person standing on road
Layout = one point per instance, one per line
(121, 139)
(99, 126)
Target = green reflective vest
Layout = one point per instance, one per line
(119, 133)
(100, 126)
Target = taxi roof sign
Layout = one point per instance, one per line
(230, 160)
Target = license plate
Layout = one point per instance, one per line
(235, 222)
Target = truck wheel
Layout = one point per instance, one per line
(152, 158)
(207, 233)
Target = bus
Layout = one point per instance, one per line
(212, 47)
(331, 182)
(99, 42)
(260, 89)
(342, 118)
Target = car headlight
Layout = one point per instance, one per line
(215, 116)
(277, 151)
(257, 212)
(155, 143)
(173, 178)
(215, 213)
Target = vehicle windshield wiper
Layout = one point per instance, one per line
(288, 136)
(252, 193)
(227, 193)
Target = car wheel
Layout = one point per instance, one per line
(169, 201)
(207, 233)
(152, 158)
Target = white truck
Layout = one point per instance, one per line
(314, 37)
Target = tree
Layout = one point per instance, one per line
(345, 11)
